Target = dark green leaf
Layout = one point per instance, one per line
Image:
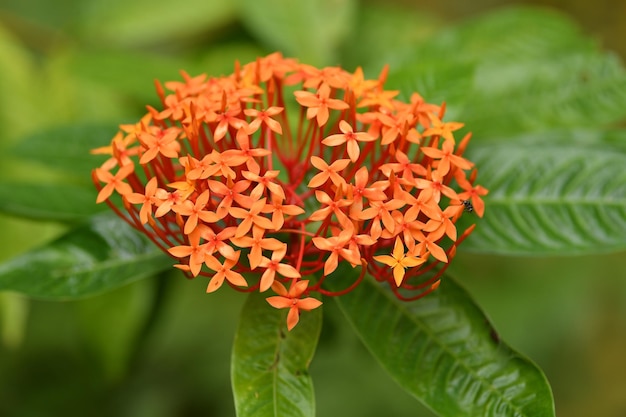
(58, 202)
(67, 148)
(551, 194)
(513, 71)
(443, 350)
(102, 254)
(311, 31)
(270, 365)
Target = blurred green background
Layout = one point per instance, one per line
(161, 347)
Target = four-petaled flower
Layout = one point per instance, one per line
(399, 261)
(350, 138)
(293, 300)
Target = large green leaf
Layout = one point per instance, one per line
(59, 202)
(551, 194)
(442, 350)
(100, 255)
(515, 70)
(270, 365)
(311, 30)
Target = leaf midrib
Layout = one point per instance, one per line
(444, 348)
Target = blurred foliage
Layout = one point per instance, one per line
(73, 69)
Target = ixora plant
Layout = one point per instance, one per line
(306, 195)
(298, 184)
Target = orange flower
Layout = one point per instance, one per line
(257, 243)
(195, 251)
(194, 211)
(292, 300)
(318, 105)
(472, 193)
(336, 245)
(332, 207)
(223, 271)
(265, 117)
(280, 171)
(147, 200)
(405, 166)
(273, 266)
(328, 171)
(350, 138)
(399, 261)
(163, 143)
(251, 217)
(446, 157)
(280, 212)
(442, 129)
(113, 182)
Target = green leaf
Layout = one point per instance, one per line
(560, 193)
(100, 255)
(270, 364)
(516, 70)
(57, 202)
(310, 30)
(67, 148)
(442, 350)
(124, 22)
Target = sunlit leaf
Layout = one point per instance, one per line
(551, 194)
(311, 30)
(17, 78)
(442, 350)
(124, 22)
(103, 254)
(270, 364)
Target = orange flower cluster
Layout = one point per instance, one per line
(281, 170)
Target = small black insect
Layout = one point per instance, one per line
(467, 205)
